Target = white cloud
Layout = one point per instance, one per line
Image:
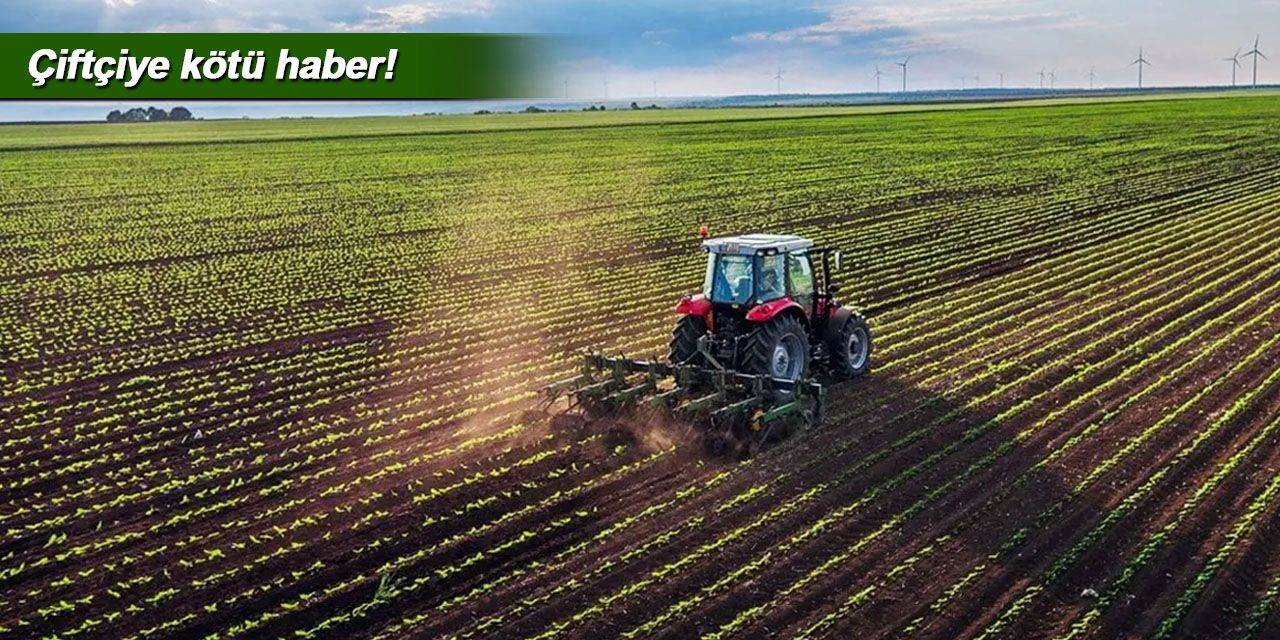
(221, 25)
(939, 21)
(657, 37)
(835, 51)
(404, 16)
(267, 15)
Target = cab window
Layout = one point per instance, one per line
(772, 278)
(800, 278)
(731, 279)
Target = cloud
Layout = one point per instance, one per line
(220, 25)
(302, 15)
(940, 22)
(658, 37)
(400, 17)
(734, 46)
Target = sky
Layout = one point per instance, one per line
(725, 48)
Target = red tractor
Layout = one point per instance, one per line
(746, 352)
(762, 312)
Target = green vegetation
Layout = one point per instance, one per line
(76, 134)
(270, 378)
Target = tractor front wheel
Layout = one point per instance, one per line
(684, 340)
(778, 348)
(851, 348)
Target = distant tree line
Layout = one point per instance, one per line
(150, 114)
(536, 109)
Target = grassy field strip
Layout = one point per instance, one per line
(71, 136)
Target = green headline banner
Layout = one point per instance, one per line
(272, 66)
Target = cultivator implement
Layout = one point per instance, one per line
(733, 410)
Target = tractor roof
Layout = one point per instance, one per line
(754, 243)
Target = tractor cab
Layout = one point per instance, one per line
(749, 270)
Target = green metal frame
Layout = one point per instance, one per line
(724, 396)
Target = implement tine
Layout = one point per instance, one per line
(667, 398)
(697, 405)
(602, 388)
(684, 378)
(630, 394)
(781, 411)
(624, 380)
(556, 389)
(737, 409)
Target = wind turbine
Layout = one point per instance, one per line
(778, 77)
(1001, 79)
(1053, 77)
(1140, 61)
(655, 89)
(962, 83)
(903, 64)
(1092, 76)
(877, 74)
(977, 80)
(1235, 64)
(1041, 74)
(566, 89)
(1255, 53)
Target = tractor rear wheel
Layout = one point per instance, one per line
(684, 340)
(778, 348)
(851, 348)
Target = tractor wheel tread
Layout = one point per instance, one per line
(843, 361)
(683, 348)
(759, 350)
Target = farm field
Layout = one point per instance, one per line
(257, 385)
(34, 135)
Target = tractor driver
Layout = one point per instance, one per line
(770, 278)
(770, 283)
